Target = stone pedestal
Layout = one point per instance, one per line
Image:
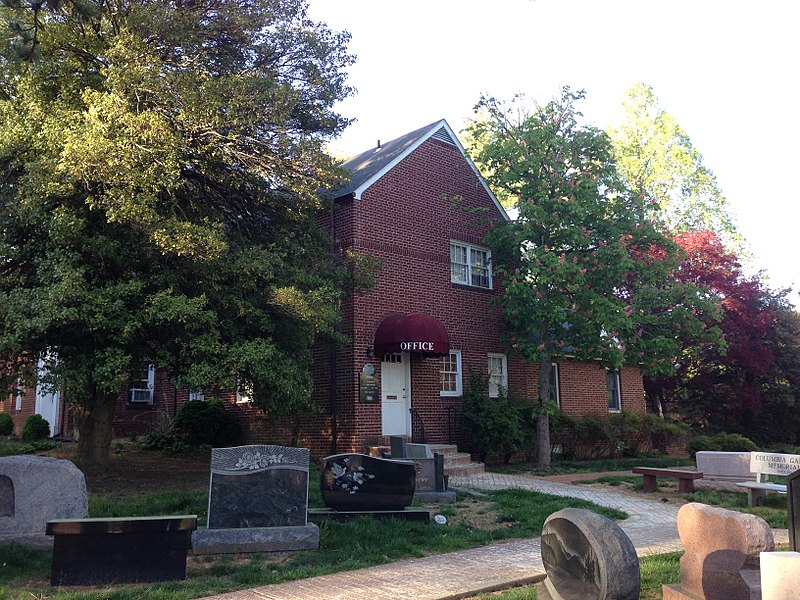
(780, 575)
(255, 539)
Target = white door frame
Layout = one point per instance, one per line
(406, 393)
(48, 400)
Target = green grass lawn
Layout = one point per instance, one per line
(472, 521)
(655, 571)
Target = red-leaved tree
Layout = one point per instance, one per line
(717, 389)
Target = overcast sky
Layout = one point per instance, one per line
(727, 70)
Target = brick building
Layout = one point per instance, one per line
(414, 338)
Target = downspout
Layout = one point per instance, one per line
(332, 383)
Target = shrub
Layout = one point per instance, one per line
(206, 422)
(35, 428)
(721, 442)
(494, 425)
(6, 424)
(159, 440)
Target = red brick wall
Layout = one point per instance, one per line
(27, 408)
(583, 389)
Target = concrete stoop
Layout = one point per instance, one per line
(457, 464)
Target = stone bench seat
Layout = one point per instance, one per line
(120, 550)
(757, 491)
(651, 474)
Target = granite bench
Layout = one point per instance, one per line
(121, 550)
(756, 490)
(650, 474)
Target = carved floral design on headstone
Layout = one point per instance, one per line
(359, 482)
(349, 478)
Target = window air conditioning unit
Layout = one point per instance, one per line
(141, 396)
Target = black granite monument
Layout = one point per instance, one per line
(364, 483)
(793, 502)
(122, 550)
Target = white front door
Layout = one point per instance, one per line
(48, 398)
(396, 394)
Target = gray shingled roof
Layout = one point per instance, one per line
(367, 164)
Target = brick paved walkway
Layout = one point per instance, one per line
(651, 527)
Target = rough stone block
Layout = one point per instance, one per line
(722, 547)
(35, 490)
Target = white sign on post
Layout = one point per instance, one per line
(774, 464)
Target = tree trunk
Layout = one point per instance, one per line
(655, 394)
(94, 432)
(543, 418)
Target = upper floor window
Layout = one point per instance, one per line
(614, 396)
(450, 374)
(498, 374)
(143, 378)
(470, 265)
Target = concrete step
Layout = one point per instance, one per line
(454, 460)
(466, 470)
(446, 449)
(456, 464)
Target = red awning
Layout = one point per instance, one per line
(418, 333)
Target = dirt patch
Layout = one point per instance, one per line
(134, 471)
(470, 511)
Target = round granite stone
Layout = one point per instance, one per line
(588, 557)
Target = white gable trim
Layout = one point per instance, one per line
(422, 139)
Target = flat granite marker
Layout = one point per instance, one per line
(257, 502)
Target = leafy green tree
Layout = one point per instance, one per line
(159, 168)
(585, 272)
(657, 160)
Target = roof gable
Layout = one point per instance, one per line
(368, 167)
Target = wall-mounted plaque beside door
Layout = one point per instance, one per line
(368, 385)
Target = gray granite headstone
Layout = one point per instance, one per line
(587, 556)
(257, 502)
(398, 446)
(35, 490)
(258, 486)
